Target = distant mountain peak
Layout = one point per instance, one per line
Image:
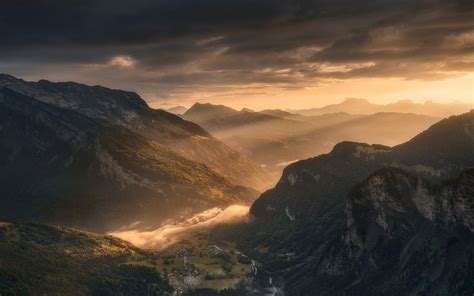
(176, 110)
(209, 105)
(362, 106)
(207, 110)
(356, 100)
(405, 102)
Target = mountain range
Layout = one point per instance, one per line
(371, 219)
(62, 167)
(275, 138)
(99, 159)
(384, 205)
(128, 110)
(362, 106)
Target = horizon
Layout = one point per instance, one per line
(167, 105)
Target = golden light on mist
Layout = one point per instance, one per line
(168, 234)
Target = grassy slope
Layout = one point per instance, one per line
(48, 260)
(38, 259)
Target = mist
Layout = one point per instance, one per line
(277, 142)
(169, 234)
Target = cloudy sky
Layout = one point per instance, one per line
(252, 53)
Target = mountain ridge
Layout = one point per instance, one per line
(64, 167)
(274, 141)
(363, 106)
(299, 223)
(129, 110)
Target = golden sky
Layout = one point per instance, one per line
(376, 90)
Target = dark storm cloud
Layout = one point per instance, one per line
(177, 44)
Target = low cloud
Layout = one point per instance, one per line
(122, 61)
(168, 234)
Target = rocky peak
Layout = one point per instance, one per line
(392, 204)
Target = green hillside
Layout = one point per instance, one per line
(45, 260)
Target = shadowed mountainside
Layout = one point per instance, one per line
(128, 110)
(63, 167)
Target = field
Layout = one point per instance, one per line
(196, 263)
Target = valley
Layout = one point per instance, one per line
(189, 264)
(143, 202)
(237, 148)
(275, 137)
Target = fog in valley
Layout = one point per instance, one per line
(168, 234)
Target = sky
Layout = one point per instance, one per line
(247, 53)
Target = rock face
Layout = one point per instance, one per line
(361, 209)
(441, 152)
(128, 110)
(405, 236)
(60, 166)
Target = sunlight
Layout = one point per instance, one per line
(168, 234)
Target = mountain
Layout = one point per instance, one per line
(258, 136)
(275, 142)
(128, 110)
(352, 105)
(60, 166)
(176, 110)
(362, 106)
(204, 112)
(219, 119)
(382, 128)
(45, 260)
(406, 235)
(225, 123)
(402, 236)
(284, 114)
(323, 209)
(330, 119)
